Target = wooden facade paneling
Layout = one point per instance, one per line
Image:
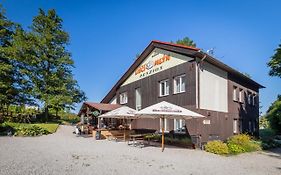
(149, 87)
(221, 123)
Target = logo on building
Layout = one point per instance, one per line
(150, 67)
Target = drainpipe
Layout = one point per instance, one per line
(198, 76)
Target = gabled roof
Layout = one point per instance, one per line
(99, 106)
(180, 49)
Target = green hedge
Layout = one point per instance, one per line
(32, 130)
(23, 129)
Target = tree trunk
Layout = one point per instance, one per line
(46, 113)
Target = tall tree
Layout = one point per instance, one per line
(52, 64)
(274, 111)
(7, 90)
(15, 86)
(275, 63)
(274, 115)
(186, 41)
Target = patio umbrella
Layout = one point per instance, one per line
(164, 110)
(123, 112)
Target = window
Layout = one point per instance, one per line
(179, 125)
(123, 98)
(241, 125)
(164, 88)
(241, 96)
(234, 93)
(179, 84)
(235, 126)
(250, 126)
(254, 99)
(249, 97)
(254, 126)
(138, 99)
(165, 125)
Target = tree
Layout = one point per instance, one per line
(186, 41)
(7, 89)
(52, 64)
(275, 63)
(15, 86)
(263, 122)
(274, 115)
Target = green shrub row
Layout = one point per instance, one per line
(24, 129)
(33, 130)
(169, 140)
(235, 145)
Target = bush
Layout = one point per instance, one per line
(270, 143)
(217, 147)
(19, 129)
(266, 133)
(153, 137)
(32, 130)
(242, 143)
(5, 129)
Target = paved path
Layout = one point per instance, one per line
(64, 153)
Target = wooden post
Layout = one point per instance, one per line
(163, 133)
(124, 129)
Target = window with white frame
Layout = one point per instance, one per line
(179, 125)
(123, 98)
(165, 125)
(179, 84)
(235, 126)
(234, 93)
(164, 88)
(138, 99)
(249, 98)
(241, 96)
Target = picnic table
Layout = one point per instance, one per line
(136, 139)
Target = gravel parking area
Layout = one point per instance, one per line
(64, 153)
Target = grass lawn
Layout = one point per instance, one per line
(51, 127)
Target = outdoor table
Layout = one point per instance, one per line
(135, 137)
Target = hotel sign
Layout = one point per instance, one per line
(152, 66)
(157, 61)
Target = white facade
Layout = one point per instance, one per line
(212, 88)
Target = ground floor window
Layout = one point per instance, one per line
(235, 126)
(179, 125)
(165, 125)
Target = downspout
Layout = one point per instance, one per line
(198, 77)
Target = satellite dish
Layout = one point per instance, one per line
(211, 51)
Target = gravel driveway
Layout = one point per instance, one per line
(64, 153)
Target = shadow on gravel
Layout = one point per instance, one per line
(276, 153)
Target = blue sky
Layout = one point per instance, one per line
(107, 35)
